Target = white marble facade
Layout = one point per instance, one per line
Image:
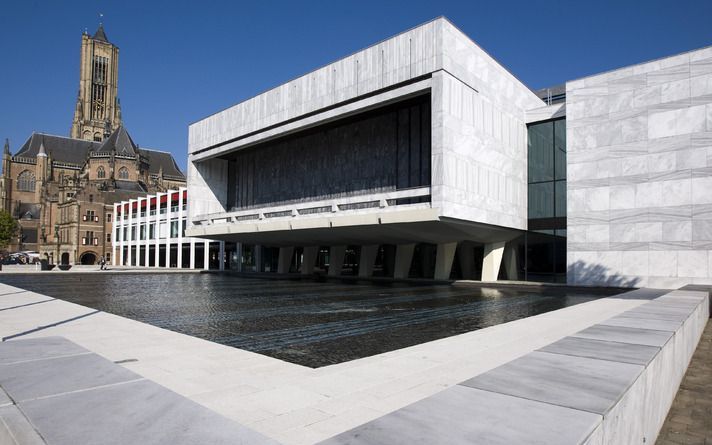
(478, 121)
(639, 142)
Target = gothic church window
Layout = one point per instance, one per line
(100, 173)
(26, 181)
(123, 173)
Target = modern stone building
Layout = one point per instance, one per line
(149, 231)
(422, 156)
(61, 189)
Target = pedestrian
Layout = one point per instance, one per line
(102, 262)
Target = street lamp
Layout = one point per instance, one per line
(56, 238)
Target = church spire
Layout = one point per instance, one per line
(6, 149)
(100, 35)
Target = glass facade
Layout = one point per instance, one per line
(542, 249)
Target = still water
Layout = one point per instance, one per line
(302, 321)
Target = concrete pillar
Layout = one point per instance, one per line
(129, 245)
(336, 260)
(206, 256)
(309, 259)
(285, 259)
(192, 253)
(157, 232)
(491, 261)
(181, 218)
(238, 254)
(168, 228)
(510, 262)
(404, 256)
(443, 260)
(367, 260)
(147, 239)
(466, 257)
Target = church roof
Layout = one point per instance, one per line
(161, 160)
(119, 141)
(73, 151)
(100, 35)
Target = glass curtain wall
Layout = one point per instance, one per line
(545, 242)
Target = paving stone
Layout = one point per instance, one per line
(15, 429)
(42, 378)
(4, 398)
(140, 412)
(575, 382)
(643, 323)
(463, 415)
(625, 335)
(603, 350)
(37, 348)
(634, 313)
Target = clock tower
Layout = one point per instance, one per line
(98, 112)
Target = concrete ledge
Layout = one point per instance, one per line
(612, 383)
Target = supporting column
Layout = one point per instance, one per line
(192, 253)
(367, 260)
(129, 234)
(238, 250)
(147, 238)
(157, 232)
(258, 258)
(466, 257)
(404, 256)
(169, 201)
(285, 259)
(181, 218)
(510, 263)
(309, 259)
(491, 261)
(206, 255)
(336, 260)
(443, 260)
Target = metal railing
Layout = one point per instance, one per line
(332, 206)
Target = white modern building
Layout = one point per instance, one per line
(150, 232)
(422, 156)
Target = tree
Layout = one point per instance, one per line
(8, 228)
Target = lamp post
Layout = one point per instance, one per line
(56, 238)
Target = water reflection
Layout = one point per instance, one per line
(301, 321)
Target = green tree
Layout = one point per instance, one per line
(8, 228)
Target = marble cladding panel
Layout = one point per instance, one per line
(639, 173)
(481, 157)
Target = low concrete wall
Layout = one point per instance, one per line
(641, 411)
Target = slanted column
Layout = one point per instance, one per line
(336, 260)
(510, 262)
(404, 256)
(466, 257)
(367, 260)
(492, 260)
(443, 260)
(285, 259)
(309, 259)
(206, 256)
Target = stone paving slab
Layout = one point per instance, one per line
(643, 323)
(4, 398)
(575, 382)
(42, 378)
(621, 334)
(461, 414)
(603, 350)
(633, 313)
(37, 348)
(139, 412)
(15, 429)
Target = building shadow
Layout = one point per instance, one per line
(581, 272)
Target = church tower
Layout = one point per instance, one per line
(98, 112)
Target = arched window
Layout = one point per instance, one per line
(123, 173)
(100, 173)
(26, 181)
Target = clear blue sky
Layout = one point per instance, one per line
(181, 61)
